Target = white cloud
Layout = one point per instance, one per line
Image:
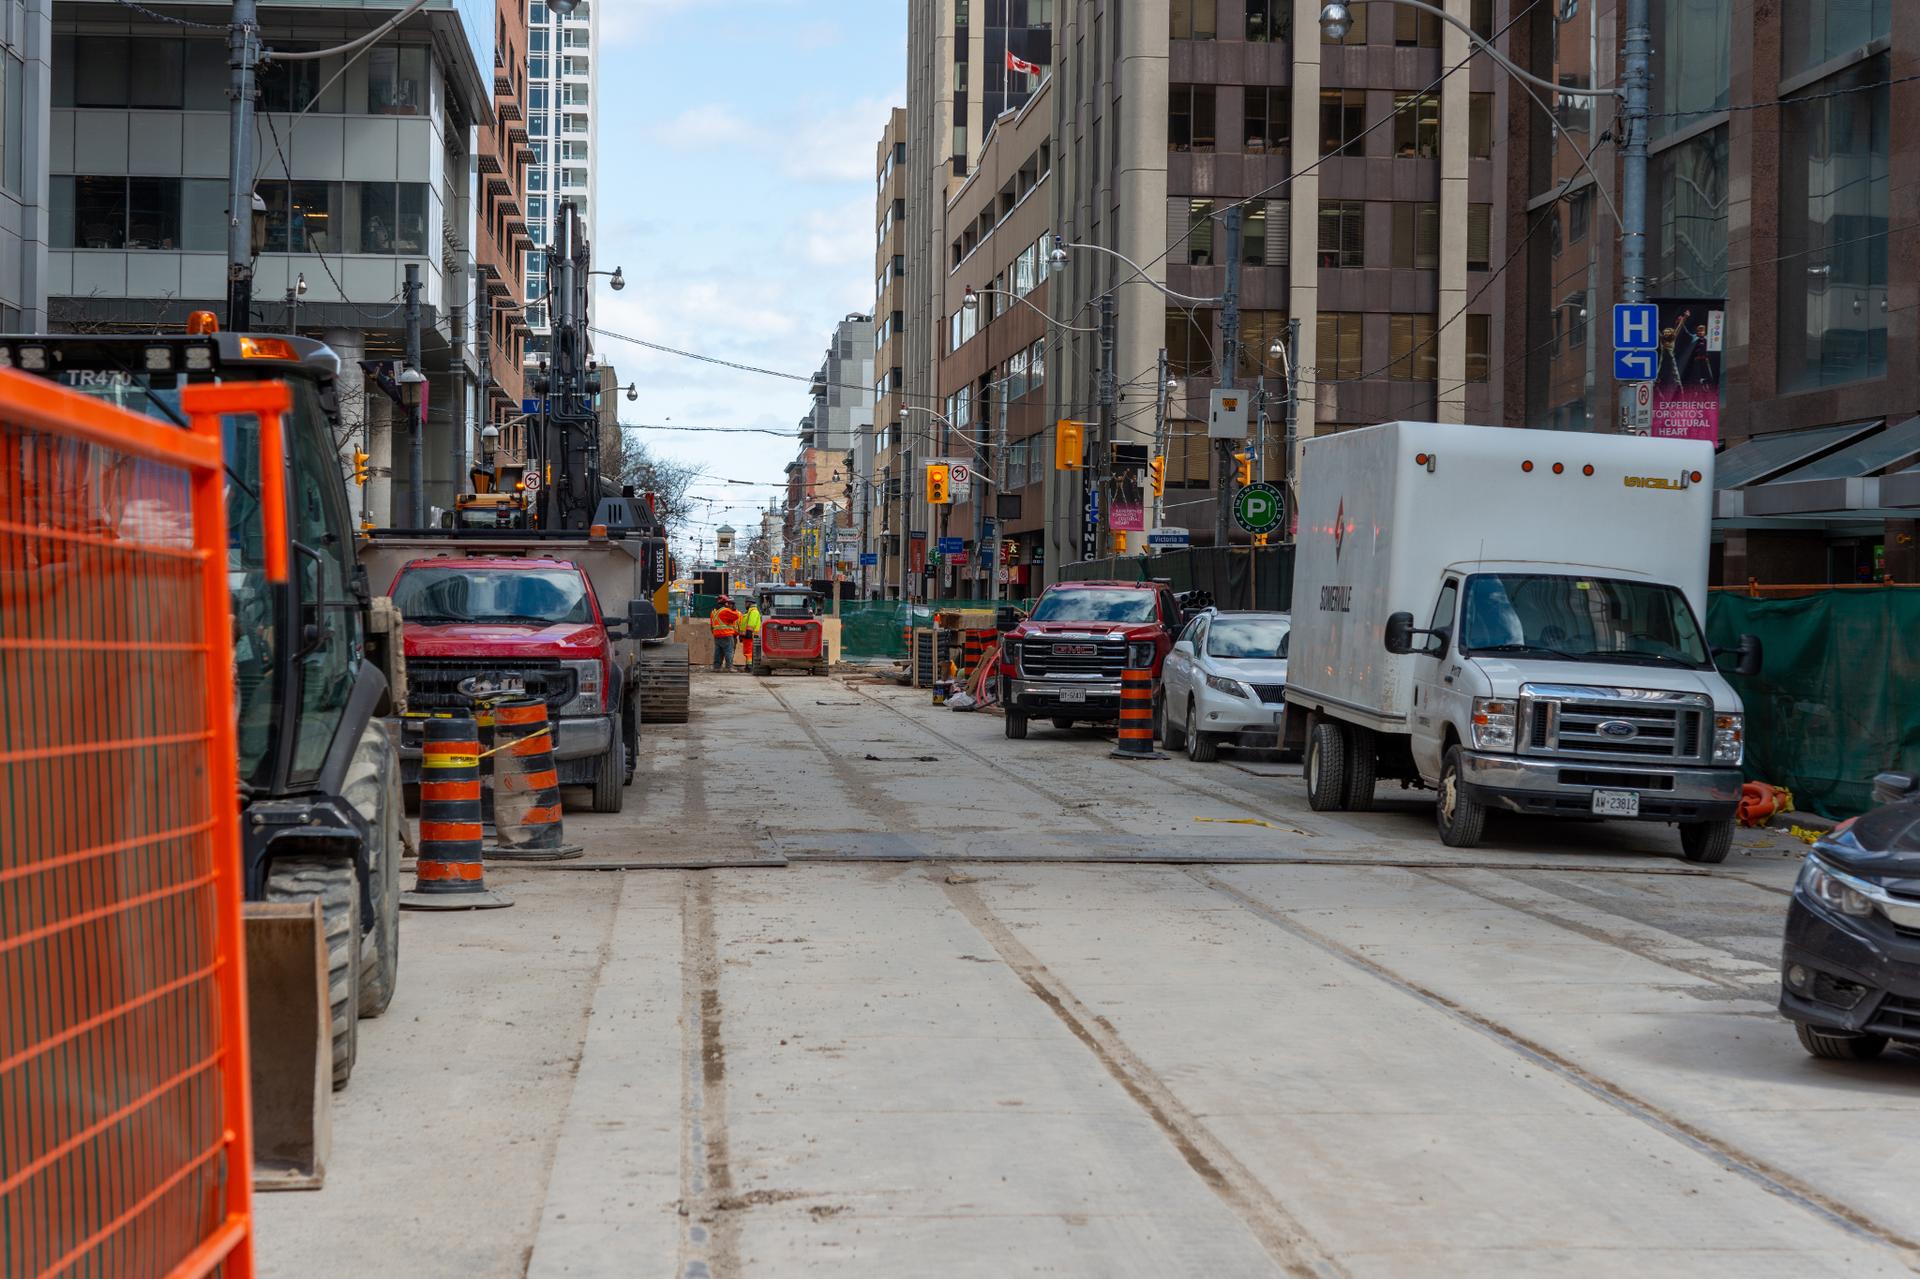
(837, 145)
(840, 237)
(705, 127)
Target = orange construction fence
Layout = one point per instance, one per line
(124, 1136)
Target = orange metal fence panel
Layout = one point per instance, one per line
(124, 1139)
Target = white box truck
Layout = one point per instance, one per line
(1515, 619)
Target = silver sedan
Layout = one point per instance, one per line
(1223, 683)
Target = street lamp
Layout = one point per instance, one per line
(1636, 45)
(615, 278)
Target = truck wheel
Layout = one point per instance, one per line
(1839, 1045)
(1172, 737)
(373, 788)
(609, 784)
(1706, 842)
(1461, 818)
(1357, 795)
(1016, 724)
(333, 882)
(1326, 766)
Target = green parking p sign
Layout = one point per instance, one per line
(1259, 508)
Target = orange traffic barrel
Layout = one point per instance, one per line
(1136, 717)
(450, 875)
(526, 786)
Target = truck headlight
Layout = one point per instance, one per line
(586, 688)
(1729, 738)
(1832, 889)
(1231, 687)
(1493, 724)
(1140, 655)
(1010, 656)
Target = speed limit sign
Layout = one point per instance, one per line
(532, 481)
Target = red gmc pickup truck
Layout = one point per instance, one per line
(1064, 661)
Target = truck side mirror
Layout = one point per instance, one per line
(1891, 788)
(1399, 635)
(1751, 655)
(642, 622)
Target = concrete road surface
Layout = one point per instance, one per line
(947, 1004)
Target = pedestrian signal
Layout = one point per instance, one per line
(938, 491)
(1243, 468)
(1069, 444)
(1157, 472)
(360, 466)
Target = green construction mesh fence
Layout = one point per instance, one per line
(1836, 700)
(877, 628)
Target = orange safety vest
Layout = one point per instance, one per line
(724, 621)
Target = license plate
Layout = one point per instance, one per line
(1616, 803)
(1073, 694)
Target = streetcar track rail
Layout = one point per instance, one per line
(1752, 1168)
(1269, 1221)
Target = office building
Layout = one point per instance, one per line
(26, 51)
(886, 526)
(503, 245)
(1377, 232)
(364, 167)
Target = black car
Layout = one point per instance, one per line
(1850, 968)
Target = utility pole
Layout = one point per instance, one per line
(1635, 80)
(1155, 500)
(998, 487)
(417, 410)
(243, 56)
(1292, 426)
(1103, 451)
(483, 339)
(1229, 359)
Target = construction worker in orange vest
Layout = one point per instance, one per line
(726, 624)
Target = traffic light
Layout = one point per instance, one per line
(360, 466)
(1157, 472)
(938, 493)
(776, 566)
(1260, 539)
(1069, 444)
(1119, 541)
(1243, 468)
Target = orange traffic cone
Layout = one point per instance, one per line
(450, 875)
(1136, 717)
(526, 787)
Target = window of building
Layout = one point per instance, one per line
(1687, 200)
(1480, 125)
(1343, 233)
(1817, 31)
(1269, 117)
(1356, 27)
(89, 213)
(1416, 125)
(1692, 41)
(537, 66)
(159, 75)
(13, 142)
(203, 215)
(1413, 354)
(1337, 336)
(1190, 230)
(1479, 236)
(1189, 344)
(1190, 118)
(1192, 19)
(1259, 330)
(1416, 235)
(1253, 233)
(1833, 230)
(397, 80)
(1269, 19)
(1481, 18)
(1343, 118)
(1414, 29)
(153, 213)
(1479, 346)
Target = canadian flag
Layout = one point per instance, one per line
(1018, 64)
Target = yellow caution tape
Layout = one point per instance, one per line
(450, 761)
(1806, 836)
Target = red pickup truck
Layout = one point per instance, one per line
(1064, 661)
(534, 619)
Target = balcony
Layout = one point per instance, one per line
(508, 109)
(502, 84)
(486, 163)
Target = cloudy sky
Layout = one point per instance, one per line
(736, 156)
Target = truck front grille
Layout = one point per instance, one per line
(1628, 729)
(433, 683)
(1050, 658)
